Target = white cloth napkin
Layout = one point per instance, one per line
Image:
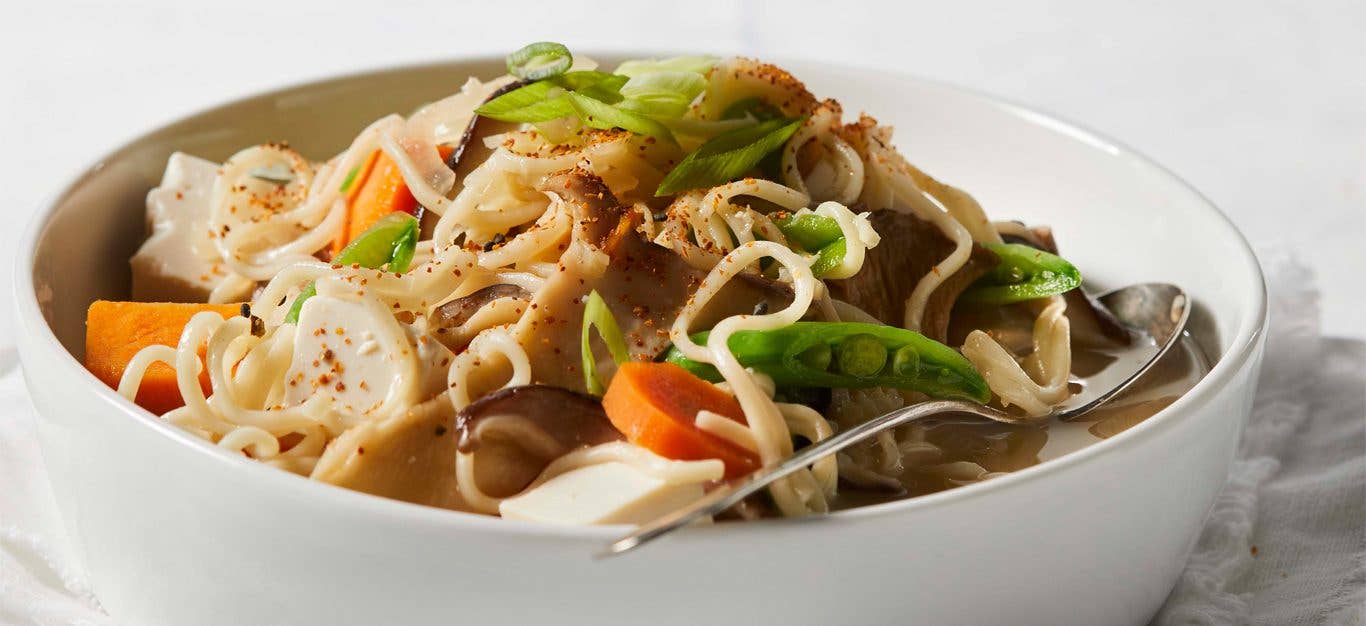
(1285, 543)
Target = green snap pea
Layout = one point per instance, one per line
(816, 234)
(829, 258)
(861, 356)
(848, 355)
(1024, 273)
(906, 362)
(810, 231)
(389, 244)
(817, 357)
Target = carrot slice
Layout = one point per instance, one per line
(115, 331)
(378, 189)
(654, 405)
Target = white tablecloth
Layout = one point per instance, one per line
(1286, 541)
(1262, 106)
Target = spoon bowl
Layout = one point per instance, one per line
(1155, 314)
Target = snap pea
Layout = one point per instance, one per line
(861, 356)
(828, 258)
(810, 231)
(389, 244)
(848, 355)
(1024, 273)
(816, 234)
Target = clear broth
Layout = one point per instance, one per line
(1000, 447)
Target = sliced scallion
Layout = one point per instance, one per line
(599, 114)
(543, 101)
(755, 108)
(695, 64)
(537, 102)
(597, 85)
(389, 244)
(596, 315)
(728, 156)
(662, 94)
(539, 60)
(705, 129)
(350, 178)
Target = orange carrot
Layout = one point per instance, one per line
(115, 331)
(654, 405)
(378, 189)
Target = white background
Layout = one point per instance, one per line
(1261, 105)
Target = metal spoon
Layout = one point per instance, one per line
(1155, 313)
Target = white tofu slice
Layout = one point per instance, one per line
(337, 352)
(607, 493)
(168, 268)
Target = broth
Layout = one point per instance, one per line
(1001, 448)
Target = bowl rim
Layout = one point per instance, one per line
(31, 322)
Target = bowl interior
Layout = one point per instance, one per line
(1116, 215)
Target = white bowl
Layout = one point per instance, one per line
(173, 531)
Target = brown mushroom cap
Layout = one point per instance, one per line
(453, 314)
(515, 433)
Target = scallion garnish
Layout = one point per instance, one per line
(537, 102)
(539, 60)
(639, 98)
(350, 178)
(664, 94)
(597, 85)
(599, 114)
(728, 156)
(694, 64)
(751, 108)
(543, 101)
(389, 244)
(597, 315)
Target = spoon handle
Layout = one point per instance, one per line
(728, 495)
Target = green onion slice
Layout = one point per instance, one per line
(543, 101)
(704, 129)
(755, 108)
(537, 102)
(598, 114)
(350, 178)
(728, 156)
(539, 60)
(662, 94)
(597, 85)
(389, 244)
(597, 315)
(694, 64)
